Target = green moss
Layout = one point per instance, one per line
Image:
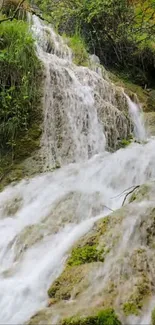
(104, 317)
(85, 254)
(130, 308)
(133, 197)
(153, 317)
(140, 194)
(124, 143)
(102, 227)
(63, 287)
(10, 164)
(135, 303)
(39, 317)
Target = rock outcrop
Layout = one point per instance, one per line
(112, 266)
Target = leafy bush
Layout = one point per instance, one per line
(20, 72)
(120, 32)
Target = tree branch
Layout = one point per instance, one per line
(14, 14)
(130, 193)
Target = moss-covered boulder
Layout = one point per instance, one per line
(124, 278)
(104, 317)
(70, 283)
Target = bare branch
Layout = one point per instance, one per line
(14, 14)
(122, 193)
(130, 193)
(32, 11)
(108, 208)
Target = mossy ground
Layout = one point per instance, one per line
(140, 193)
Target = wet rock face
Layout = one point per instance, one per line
(124, 278)
(82, 109)
(150, 122)
(150, 104)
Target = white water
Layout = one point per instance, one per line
(136, 115)
(83, 111)
(41, 218)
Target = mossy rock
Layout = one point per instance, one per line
(40, 318)
(136, 301)
(11, 166)
(124, 143)
(153, 317)
(150, 104)
(85, 254)
(104, 317)
(130, 308)
(149, 118)
(140, 193)
(63, 287)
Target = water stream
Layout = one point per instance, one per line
(41, 218)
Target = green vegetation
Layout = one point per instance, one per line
(153, 317)
(85, 254)
(135, 303)
(11, 8)
(130, 308)
(104, 317)
(19, 77)
(120, 32)
(124, 143)
(79, 48)
(133, 197)
(20, 94)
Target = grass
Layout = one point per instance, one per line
(104, 317)
(20, 92)
(79, 48)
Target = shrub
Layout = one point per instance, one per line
(20, 72)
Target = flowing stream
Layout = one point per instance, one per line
(41, 218)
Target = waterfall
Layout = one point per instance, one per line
(84, 112)
(41, 218)
(135, 112)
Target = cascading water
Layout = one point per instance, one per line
(135, 112)
(41, 218)
(81, 107)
